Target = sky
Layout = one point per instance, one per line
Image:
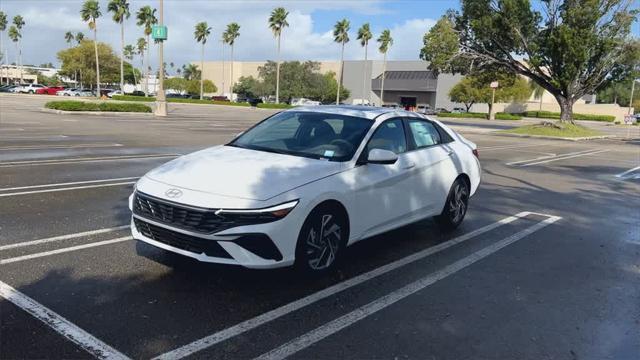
(308, 37)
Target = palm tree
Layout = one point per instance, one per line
(385, 40)
(3, 51)
(120, 10)
(90, 13)
(341, 36)
(538, 92)
(190, 72)
(128, 52)
(364, 35)
(277, 22)
(201, 34)
(229, 37)
(79, 37)
(15, 36)
(69, 38)
(172, 65)
(146, 17)
(18, 22)
(141, 46)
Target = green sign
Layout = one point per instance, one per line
(159, 32)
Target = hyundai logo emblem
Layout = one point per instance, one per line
(173, 193)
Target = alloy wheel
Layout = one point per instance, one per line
(458, 202)
(323, 242)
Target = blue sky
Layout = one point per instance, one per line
(307, 38)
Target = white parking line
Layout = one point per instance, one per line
(83, 160)
(344, 321)
(561, 157)
(62, 326)
(67, 189)
(552, 158)
(64, 250)
(67, 183)
(47, 147)
(260, 320)
(62, 237)
(628, 174)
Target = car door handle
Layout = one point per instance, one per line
(409, 166)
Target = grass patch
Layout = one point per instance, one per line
(274, 106)
(474, 115)
(72, 105)
(178, 100)
(555, 115)
(554, 129)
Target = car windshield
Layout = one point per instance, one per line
(310, 134)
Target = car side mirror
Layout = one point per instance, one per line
(382, 157)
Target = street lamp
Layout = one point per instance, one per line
(160, 33)
(633, 85)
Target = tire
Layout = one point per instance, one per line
(322, 240)
(455, 208)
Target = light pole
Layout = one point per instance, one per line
(161, 101)
(633, 85)
(492, 111)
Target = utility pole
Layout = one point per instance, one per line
(492, 111)
(161, 101)
(633, 85)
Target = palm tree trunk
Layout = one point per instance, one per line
(146, 70)
(201, 69)
(20, 61)
(278, 73)
(539, 105)
(231, 80)
(340, 77)
(224, 74)
(142, 73)
(95, 47)
(364, 74)
(17, 56)
(384, 70)
(122, 55)
(4, 56)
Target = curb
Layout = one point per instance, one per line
(599, 137)
(95, 113)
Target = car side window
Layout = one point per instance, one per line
(389, 136)
(424, 134)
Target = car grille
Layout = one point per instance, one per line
(181, 241)
(204, 220)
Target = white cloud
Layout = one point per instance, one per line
(47, 21)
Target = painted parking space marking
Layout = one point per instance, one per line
(67, 188)
(64, 250)
(362, 312)
(548, 159)
(66, 184)
(631, 174)
(48, 147)
(283, 310)
(84, 160)
(59, 324)
(62, 237)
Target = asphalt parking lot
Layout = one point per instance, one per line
(545, 266)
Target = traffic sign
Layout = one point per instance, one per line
(159, 32)
(630, 119)
(494, 85)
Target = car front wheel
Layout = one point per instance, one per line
(321, 240)
(456, 206)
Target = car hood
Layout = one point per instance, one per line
(242, 173)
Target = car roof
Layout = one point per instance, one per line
(367, 112)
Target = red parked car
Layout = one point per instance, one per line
(49, 90)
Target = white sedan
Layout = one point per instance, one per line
(301, 185)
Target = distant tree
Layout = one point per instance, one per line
(229, 37)
(385, 40)
(120, 10)
(69, 37)
(18, 23)
(441, 47)
(569, 47)
(277, 22)
(191, 87)
(364, 35)
(128, 53)
(82, 59)
(146, 17)
(90, 13)
(79, 37)
(201, 34)
(141, 46)
(538, 93)
(3, 51)
(341, 36)
(14, 35)
(475, 88)
(190, 72)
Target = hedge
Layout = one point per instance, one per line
(178, 100)
(499, 116)
(72, 105)
(274, 106)
(555, 115)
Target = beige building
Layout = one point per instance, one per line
(12, 74)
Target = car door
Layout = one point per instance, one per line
(382, 193)
(435, 168)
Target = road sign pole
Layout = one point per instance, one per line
(161, 101)
(492, 112)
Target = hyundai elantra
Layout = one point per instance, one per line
(300, 186)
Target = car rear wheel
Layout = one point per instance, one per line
(322, 240)
(456, 206)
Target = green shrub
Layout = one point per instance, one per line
(507, 116)
(133, 98)
(230, 103)
(274, 106)
(178, 100)
(72, 105)
(555, 115)
(473, 115)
